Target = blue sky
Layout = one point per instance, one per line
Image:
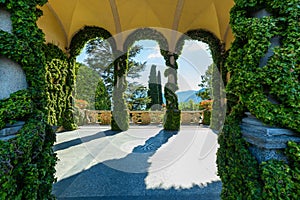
(193, 62)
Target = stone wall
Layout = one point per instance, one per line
(12, 77)
(5, 21)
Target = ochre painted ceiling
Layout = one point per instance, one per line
(63, 18)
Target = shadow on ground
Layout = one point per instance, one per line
(77, 141)
(114, 180)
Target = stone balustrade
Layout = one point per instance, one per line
(139, 117)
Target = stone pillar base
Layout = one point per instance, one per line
(266, 142)
(10, 130)
(172, 120)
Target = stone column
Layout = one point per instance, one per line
(172, 116)
(266, 142)
(12, 79)
(120, 120)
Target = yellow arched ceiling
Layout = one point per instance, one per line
(63, 18)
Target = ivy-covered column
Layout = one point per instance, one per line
(27, 160)
(60, 81)
(120, 121)
(172, 116)
(265, 68)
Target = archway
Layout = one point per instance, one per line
(219, 73)
(252, 85)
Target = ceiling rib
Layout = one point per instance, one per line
(218, 21)
(226, 33)
(59, 22)
(177, 14)
(72, 21)
(116, 16)
(176, 20)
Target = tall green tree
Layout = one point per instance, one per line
(159, 88)
(100, 58)
(86, 84)
(206, 84)
(102, 99)
(136, 96)
(154, 91)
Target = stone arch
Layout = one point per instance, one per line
(146, 34)
(84, 35)
(218, 51)
(215, 44)
(120, 119)
(172, 116)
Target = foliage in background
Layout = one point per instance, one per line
(102, 99)
(78, 42)
(172, 117)
(206, 84)
(188, 106)
(87, 86)
(136, 96)
(26, 161)
(250, 88)
(100, 57)
(80, 103)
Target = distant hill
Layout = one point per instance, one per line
(185, 96)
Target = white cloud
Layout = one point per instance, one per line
(154, 55)
(155, 52)
(195, 46)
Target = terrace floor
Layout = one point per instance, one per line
(144, 162)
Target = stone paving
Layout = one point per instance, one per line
(144, 162)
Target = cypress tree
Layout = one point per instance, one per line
(152, 84)
(159, 88)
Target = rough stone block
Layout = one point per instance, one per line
(12, 77)
(10, 130)
(5, 21)
(266, 142)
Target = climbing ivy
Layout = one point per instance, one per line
(18, 106)
(84, 35)
(56, 73)
(120, 118)
(146, 34)
(26, 161)
(270, 92)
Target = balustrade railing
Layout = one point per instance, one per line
(103, 117)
